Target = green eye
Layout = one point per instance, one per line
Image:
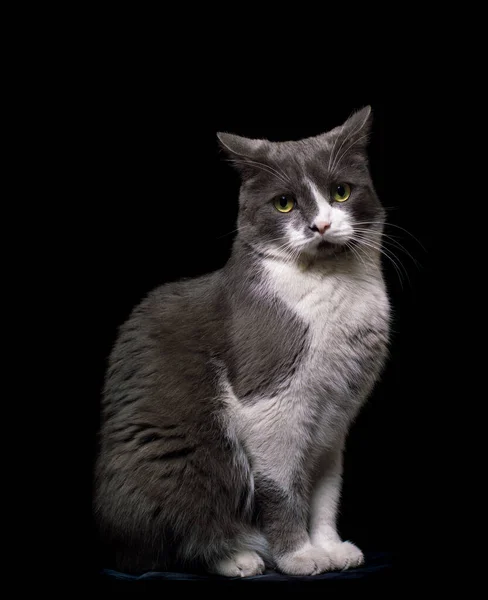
(284, 203)
(341, 192)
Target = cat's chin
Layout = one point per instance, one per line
(325, 248)
(325, 245)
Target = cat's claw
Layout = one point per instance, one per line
(242, 564)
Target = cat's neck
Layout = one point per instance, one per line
(247, 259)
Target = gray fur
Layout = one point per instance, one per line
(215, 383)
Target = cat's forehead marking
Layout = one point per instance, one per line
(324, 208)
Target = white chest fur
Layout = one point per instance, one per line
(328, 296)
(279, 429)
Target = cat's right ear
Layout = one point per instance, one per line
(242, 152)
(235, 145)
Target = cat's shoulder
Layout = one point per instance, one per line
(180, 299)
(186, 288)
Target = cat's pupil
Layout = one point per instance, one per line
(283, 201)
(341, 191)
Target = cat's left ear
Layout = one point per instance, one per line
(356, 130)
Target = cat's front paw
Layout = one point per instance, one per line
(307, 561)
(242, 564)
(342, 555)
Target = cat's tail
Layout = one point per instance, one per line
(217, 548)
(254, 540)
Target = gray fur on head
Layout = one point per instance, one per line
(228, 398)
(269, 169)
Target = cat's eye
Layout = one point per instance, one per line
(284, 203)
(341, 192)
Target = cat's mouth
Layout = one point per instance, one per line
(327, 248)
(325, 244)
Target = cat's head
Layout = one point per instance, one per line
(308, 197)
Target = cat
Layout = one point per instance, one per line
(228, 397)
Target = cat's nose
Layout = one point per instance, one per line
(320, 226)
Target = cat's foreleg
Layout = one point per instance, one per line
(323, 513)
(284, 514)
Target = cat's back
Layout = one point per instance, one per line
(166, 346)
(178, 313)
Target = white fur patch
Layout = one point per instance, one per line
(325, 209)
(273, 429)
(243, 564)
(325, 500)
(276, 429)
(231, 425)
(296, 237)
(341, 286)
(308, 560)
(341, 228)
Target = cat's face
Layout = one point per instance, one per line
(309, 197)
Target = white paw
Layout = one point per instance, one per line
(308, 561)
(242, 564)
(342, 555)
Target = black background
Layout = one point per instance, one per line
(156, 201)
(119, 187)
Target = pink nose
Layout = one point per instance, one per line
(320, 226)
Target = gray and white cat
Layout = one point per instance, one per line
(228, 397)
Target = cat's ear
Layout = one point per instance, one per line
(356, 129)
(242, 152)
(235, 145)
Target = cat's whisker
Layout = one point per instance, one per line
(392, 245)
(343, 142)
(334, 164)
(276, 239)
(397, 270)
(366, 240)
(387, 253)
(282, 252)
(333, 147)
(285, 246)
(355, 252)
(263, 167)
(288, 253)
(379, 234)
(387, 224)
(338, 162)
(241, 228)
(388, 239)
(285, 175)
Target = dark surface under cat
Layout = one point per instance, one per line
(378, 567)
